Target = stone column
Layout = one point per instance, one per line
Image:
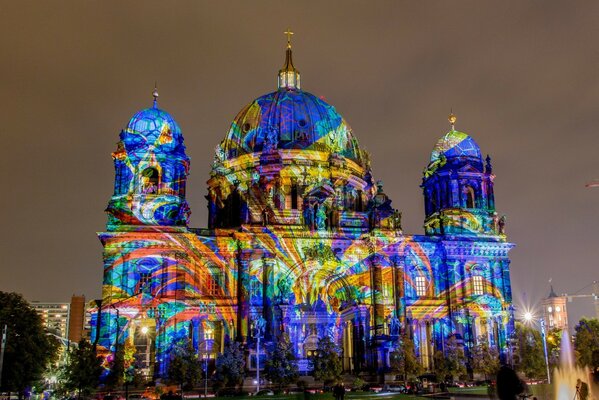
(399, 293)
(243, 299)
(267, 297)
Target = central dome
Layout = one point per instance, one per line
(290, 119)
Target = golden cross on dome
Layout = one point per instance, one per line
(289, 33)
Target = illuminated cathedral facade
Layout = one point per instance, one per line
(301, 240)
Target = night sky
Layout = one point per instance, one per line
(522, 77)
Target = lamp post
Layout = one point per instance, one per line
(207, 339)
(98, 322)
(529, 317)
(544, 335)
(258, 331)
(145, 331)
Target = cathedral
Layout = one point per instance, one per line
(300, 240)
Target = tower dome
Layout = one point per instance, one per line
(456, 144)
(152, 127)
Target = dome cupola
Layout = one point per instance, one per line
(456, 144)
(286, 153)
(289, 76)
(152, 128)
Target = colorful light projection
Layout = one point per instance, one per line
(300, 235)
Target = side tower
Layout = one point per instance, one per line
(458, 189)
(151, 169)
(145, 263)
(460, 213)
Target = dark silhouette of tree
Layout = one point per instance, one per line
(82, 370)
(586, 342)
(185, 367)
(29, 349)
(116, 363)
(281, 368)
(230, 366)
(327, 362)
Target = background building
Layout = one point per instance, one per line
(55, 317)
(300, 240)
(555, 312)
(64, 319)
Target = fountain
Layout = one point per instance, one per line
(566, 376)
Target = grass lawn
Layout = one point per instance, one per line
(482, 390)
(541, 392)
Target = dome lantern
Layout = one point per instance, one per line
(289, 76)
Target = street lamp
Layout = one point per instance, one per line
(145, 331)
(258, 331)
(529, 317)
(207, 339)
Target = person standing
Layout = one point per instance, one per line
(509, 385)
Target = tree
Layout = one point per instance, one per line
(456, 359)
(532, 357)
(484, 359)
(185, 368)
(554, 345)
(82, 370)
(586, 342)
(452, 363)
(327, 362)
(404, 359)
(441, 369)
(281, 368)
(230, 366)
(29, 349)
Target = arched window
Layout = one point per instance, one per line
(470, 197)
(150, 180)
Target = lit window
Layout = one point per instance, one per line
(477, 285)
(420, 286)
(208, 334)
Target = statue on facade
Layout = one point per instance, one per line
(394, 326)
(270, 141)
(321, 218)
(308, 214)
(284, 286)
(501, 225)
(396, 220)
(258, 326)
